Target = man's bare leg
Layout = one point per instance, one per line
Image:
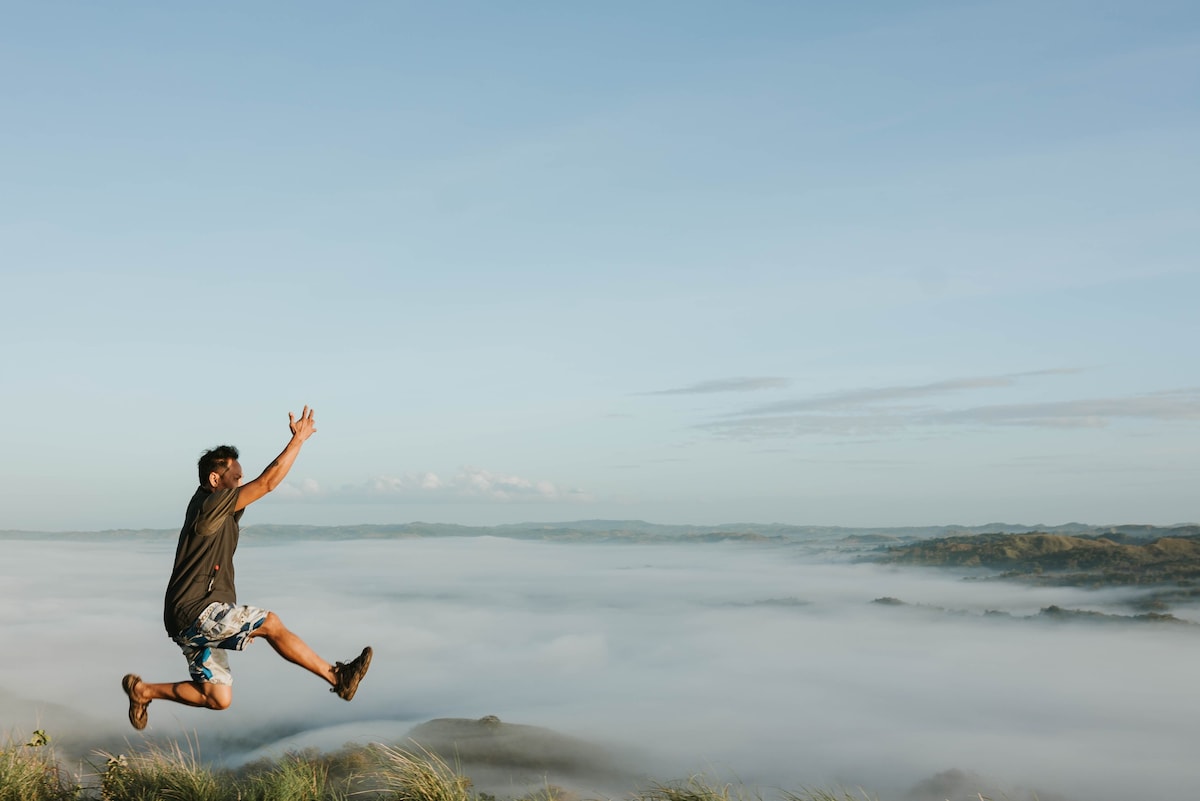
(219, 696)
(343, 678)
(295, 650)
(190, 693)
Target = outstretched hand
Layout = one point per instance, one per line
(306, 426)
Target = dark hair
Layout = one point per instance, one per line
(216, 460)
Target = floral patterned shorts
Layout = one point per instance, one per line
(221, 627)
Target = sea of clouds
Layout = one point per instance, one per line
(750, 663)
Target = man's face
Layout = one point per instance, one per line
(232, 477)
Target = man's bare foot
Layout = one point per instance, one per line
(137, 709)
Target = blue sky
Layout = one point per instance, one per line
(854, 264)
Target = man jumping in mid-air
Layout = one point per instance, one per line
(201, 611)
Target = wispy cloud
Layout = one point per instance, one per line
(1162, 406)
(882, 410)
(799, 425)
(727, 385)
(870, 395)
(468, 484)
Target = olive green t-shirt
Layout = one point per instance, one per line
(203, 572)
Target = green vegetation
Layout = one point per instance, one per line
(29, 772)
(413, 776)
(1050, 613)
(1164, 559)
(700, 788)
(1169, 565)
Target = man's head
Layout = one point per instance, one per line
(219, 468)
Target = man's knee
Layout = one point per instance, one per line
(218, 696)
(271, 626)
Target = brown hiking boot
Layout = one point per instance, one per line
(137, 709)
(350, 674)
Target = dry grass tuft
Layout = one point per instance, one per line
(420, 775)
(162, 773)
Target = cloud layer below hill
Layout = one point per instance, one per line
(750, 662)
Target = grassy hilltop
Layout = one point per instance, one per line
(30, 772)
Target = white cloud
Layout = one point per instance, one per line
(308, 488)
(669, 651)
(469, 483)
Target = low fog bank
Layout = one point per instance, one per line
(757, 665)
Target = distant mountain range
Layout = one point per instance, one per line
(642, 531)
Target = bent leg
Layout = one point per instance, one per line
(288, 645)
(190, 693)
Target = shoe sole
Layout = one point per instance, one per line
(350, 691)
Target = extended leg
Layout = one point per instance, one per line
(343, 679)
(295, 650)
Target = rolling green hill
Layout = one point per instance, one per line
(1164, 559)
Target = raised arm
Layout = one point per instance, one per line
(301, 429)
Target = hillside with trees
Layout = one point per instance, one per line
(1169, 564)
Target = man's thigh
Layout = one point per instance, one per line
(220, 628)
(230, 626)
(208, 665)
